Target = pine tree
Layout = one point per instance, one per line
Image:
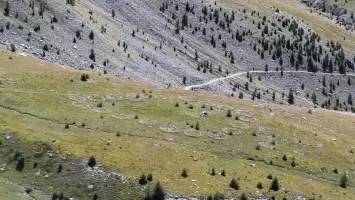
(291, 97)
(177, 27)
(213, 172)
(142, 180)
(60, 168)
(223, 172)
(20, 164)
(314, 98)
(292, 59)
(284, 157)
(229, 113)
(150, 177)
(281, 61)
(184, 80)
(184, 21)
(184, 173)
(350, 99)
(91, 35)
(232, 57)
(7, 9)
(158, 192)
(297, 65)
(275, 185)
(293, 163)
(92, 161)
(92, 55)
(71, 2)
(343, 181)
(243, 197)
(234, 184)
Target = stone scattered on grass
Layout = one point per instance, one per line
(238, 124)
(217, 135)
(81, 104)
(148, 122)
(114, 97)
(101, 110)
(193, 133)
(169, 128)
(246, 116)
(121, 116)
(262, 130)
(96, 98)
(232, 131)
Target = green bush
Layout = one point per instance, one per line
(234, 184)
(269, 176)
(150, 177)
(84, 77)
(28, 190)
(184, 173)
(142, 180)
(223, 172)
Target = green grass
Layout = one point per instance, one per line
(42, 92)
(9, 191)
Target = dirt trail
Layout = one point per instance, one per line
(191, 87)
(259, 72)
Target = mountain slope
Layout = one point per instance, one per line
(139, 40)
(73, 120)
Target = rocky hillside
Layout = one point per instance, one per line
(176, 43)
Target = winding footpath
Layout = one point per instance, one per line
(257, 72)
(191, 87)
